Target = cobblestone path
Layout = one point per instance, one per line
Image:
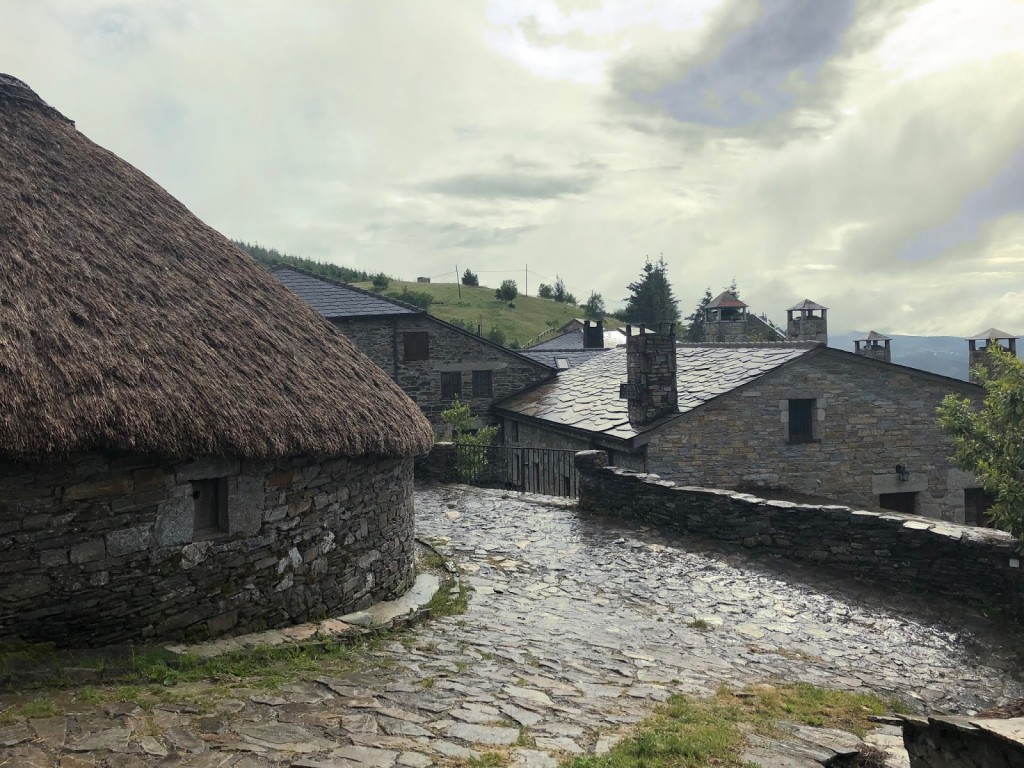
(575, 628)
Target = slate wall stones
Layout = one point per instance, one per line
(102, 549)
(451, 351)
(958, 742)
(866, 419)
(973, 564)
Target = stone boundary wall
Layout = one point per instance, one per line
(101, 549)
(437, 465)
(972, 564)
(958, 742)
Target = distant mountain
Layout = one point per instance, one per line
(944, 355)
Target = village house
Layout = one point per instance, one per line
(580, 341)
(794, 417)
(434, 362)
(186, 447)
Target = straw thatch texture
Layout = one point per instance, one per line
(128, 324)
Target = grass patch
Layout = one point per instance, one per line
(487, 760)
(701, 624)
(38, 708)
(444, 603)
(688, 732)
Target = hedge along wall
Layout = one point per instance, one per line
(974, 564)
(102, 549)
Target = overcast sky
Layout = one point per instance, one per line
(865, 154)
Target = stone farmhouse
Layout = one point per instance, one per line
(577, 345)
(185, 447)
(434, 362)
(796, 417)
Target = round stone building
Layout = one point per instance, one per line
(185, 446)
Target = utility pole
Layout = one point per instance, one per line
(526, 281)
(458, 282)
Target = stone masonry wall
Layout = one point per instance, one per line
(101, 549)
(451, 349)
(868, 419)
(956, 742)
(974, 564)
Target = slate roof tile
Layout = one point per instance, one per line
(587, 397)
(333, 299)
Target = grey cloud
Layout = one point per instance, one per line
(751, 78)
(509, 185)
(1003, 195)
(449, 234)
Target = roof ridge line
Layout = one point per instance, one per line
(348, 286)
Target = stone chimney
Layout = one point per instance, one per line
(725, 319)
(874, 345)
(593, 334)
(650, 387)
(979, 344)
(807, 321)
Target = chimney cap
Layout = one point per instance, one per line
(725, 299)
(873, 336)
(992, 333)
(806, 304)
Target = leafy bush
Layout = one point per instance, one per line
(420, 299)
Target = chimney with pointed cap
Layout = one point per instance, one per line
(874, 345)
(978, 346)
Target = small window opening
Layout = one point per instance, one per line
(562, 363)
(482, 384)
(905, 503)
(451, 385)
(416, 346)
(801, 421)
(210, 499)
(511, 431)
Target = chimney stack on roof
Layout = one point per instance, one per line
(979, 344)
(807, 321)
(593, 334)
(874, 345)
(650, 388)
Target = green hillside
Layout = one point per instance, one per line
(521, 323)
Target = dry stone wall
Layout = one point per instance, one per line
(975, 564)
(957, 742)
(867, 419)
(101, 549)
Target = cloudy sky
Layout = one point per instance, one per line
(867, 154)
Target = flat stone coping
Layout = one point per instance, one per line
(1010, 729)
(379, 616)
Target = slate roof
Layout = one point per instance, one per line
(573, 340)
(873, 336)
(725, 299)
(587, 397)
(573, 357)
(992, 333)
(806, 304)
(333, 299)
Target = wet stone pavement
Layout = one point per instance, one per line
(576, 627)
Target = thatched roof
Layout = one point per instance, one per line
(128, 324)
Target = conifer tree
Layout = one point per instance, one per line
(651, 300)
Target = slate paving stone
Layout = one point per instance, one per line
(111, 739)
(489, 735)
(367, 756)
(573, 637)
(12, 735)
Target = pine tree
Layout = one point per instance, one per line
(652, 301)
(695, 327)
